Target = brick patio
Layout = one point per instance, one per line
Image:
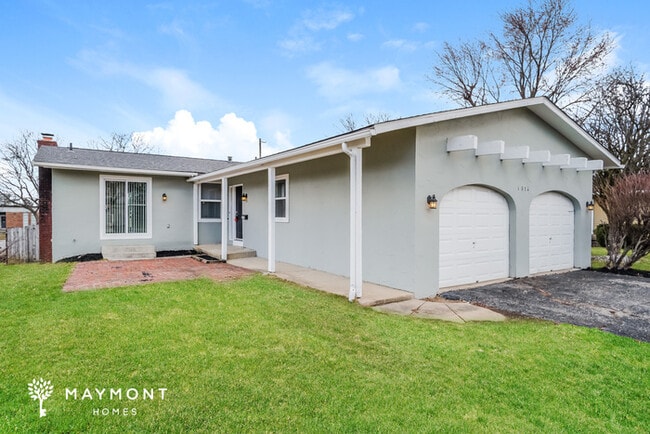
(110, 274)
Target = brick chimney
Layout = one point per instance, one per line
(47, 139)
(45, 203)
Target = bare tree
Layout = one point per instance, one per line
(349, 123)
(123, 142)
(19, 177)
(619, 119)
(541, 51)
(628, 239)
(466, 74)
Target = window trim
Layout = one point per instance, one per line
(102, 208)
(200, 201)
(284, 177)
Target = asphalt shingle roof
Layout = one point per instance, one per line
(92, 158)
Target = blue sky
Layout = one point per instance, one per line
(207, 78)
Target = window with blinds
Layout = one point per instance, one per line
(126, 211)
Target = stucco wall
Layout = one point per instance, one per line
(76, 208)
(317, 233)
(438, 172)
(388, 204)
(400, 234)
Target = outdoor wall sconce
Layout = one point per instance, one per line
(164, 197)
(244, 197)
(432, 202)
(590, 205)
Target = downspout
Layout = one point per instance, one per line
(355, 221)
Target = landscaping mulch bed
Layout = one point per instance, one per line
(109, 274)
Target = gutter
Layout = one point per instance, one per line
(304, 153)
(113, 169)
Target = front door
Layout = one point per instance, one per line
(236, 215)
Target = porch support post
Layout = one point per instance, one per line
(356, 276)
(358, 256)
(224, 219)
(271, 219)
(195, 213)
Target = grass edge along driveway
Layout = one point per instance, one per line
(259, 354)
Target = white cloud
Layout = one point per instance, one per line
(355, 37)
(613, 60)
(183, 136)
(322, 19)
(175, 86)
(300, 39)
(43, 116)
(420, 27)
(339, 83)
(299, 45)
(401, 45)
(276, 129)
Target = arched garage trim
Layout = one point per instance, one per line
(475, 235)
(553, 220)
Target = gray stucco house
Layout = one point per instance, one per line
(418, 204)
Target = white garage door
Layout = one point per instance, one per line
(551, 233)
(474, 224)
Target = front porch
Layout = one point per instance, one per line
(234, 252)
(373, 294)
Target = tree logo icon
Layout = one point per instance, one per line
(40, 390)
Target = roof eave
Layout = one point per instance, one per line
(541, 106)
(315, 150)
(103, 169)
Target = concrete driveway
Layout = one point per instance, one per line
(615, 303)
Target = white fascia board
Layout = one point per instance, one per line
(540, 106)
(314, 151)
(592, 165)
(462, 143)
(114, 170)
(576, 163)
(576, 134)
(490, 148)
(558, 160)
(538, 157)
(516, 153)
(417, 121)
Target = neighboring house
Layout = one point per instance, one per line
(15, 217)
(418, 204)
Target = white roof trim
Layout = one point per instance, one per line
(105, 169)
(540, 106)
(320, 149)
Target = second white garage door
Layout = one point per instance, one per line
(551, 233)
(474, 236)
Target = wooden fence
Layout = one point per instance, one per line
(22, 244)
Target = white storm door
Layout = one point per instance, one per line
(474, 236)
(551, 233)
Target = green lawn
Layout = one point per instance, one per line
(599, 252)
(262, 355)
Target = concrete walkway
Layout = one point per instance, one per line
(383, 299)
